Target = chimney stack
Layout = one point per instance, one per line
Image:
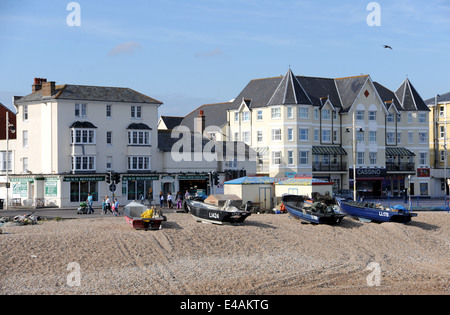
(199, 123)
(48, 88)
(37, 86)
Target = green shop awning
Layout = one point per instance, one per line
(398, 152)
(328, 150)
(84, 179)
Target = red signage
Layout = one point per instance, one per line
(423, 172)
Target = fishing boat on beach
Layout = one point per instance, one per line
(207, 213)
(140, 218)
(375, 212)
(302, 208)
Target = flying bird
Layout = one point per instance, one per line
(387, 47)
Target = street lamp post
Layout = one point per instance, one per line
(354, 145)
(9, 127)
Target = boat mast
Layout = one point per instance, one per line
(354, 155)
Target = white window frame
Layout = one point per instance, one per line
(423, 137)
(290, 134)
(361, 158)
(303, 112)
(25, 138)
(373, 158)
(275, 112)
(81, 110)
(83, 163)
(259, 115)
(83, 136)
(246, 136)
(303, 134)
(136, 112)
(259, 136)
(276, 134)
(276, 158)
(138, 163)
(139, 137)
(303, 158)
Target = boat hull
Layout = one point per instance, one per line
(294, 205)
(144, 224)
(211, 214)
(375, 214)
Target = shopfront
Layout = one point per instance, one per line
(195, 184)
(81, 186)
(369, 181)
(138, 187)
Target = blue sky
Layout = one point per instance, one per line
(188, 53)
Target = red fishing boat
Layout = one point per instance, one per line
(133, 216)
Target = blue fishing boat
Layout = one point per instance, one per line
(375, 212)
(301, 208)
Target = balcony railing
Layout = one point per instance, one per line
(400, 167)
(327, 167)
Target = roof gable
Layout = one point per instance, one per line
(410, 98)
(289, 91)
(349, 88)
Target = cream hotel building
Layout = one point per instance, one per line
(305, 125)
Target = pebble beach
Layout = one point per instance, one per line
(267, 255)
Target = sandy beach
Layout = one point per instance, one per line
(268, 255)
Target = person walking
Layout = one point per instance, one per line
(116, 207)
(161, 199)
(179, 200)
(169, 200)
(108, 205)
(104, 207)
(90, 202)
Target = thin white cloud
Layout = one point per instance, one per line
(210, 54)
(128, 48)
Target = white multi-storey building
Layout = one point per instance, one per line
(301, 125)
(69, 137)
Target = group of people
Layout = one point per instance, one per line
(106, 205)
(169, 201)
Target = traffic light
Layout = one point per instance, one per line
(108, 178)
(216, 178)
(116, 178)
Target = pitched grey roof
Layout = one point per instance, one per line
(259, 91)
(387, 96)
(215, 114)
(409, 98)
(91, 93)
(349, 88)
(445, 98)
(289, 91)
(166, 143)
(172, 122)
(319, 88)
